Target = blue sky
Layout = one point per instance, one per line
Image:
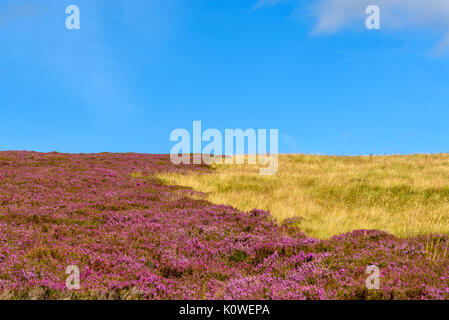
(136, 70)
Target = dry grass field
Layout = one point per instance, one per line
(329, 195)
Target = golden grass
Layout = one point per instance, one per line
(405, 195)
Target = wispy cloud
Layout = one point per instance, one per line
(289, 142)
(18, 11)
(86, 62)
(335, 15)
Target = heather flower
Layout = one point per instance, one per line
(133, 237)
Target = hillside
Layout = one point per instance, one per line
(134, 237)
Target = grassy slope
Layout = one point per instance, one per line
(405, 195)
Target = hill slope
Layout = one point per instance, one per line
(132, 237)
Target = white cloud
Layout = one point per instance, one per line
(335, 15)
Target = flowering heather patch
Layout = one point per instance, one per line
(133, 237)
